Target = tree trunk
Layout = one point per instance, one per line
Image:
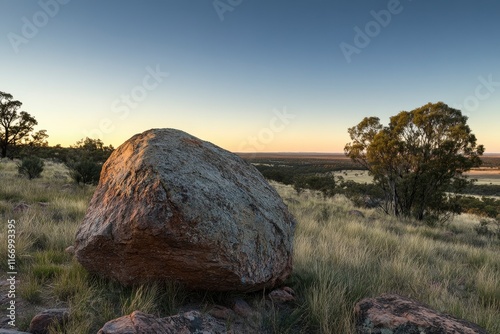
(394, 195)
(5, 142)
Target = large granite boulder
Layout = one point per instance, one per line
(171, 206)
(395, 314)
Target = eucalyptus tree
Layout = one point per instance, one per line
(418, 158)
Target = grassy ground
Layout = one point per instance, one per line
(488, 177)
(491, 176)
(339, 259)
(360, 176)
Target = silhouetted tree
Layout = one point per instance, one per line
(33, 144)
(417, 158)
(14, 126)
(93, 149)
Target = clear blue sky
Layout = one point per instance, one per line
(248, 75)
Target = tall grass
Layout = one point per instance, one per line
(338, 259)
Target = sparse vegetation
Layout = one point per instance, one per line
(85, 172)
(338, 260)
(85, 160)
(31, 167)
(489, 227)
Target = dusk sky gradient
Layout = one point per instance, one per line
(267, 76)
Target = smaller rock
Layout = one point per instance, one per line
(370, 202)
(42, 321)
(448, 236)
(396, 314)
(356, 213)
(183, 323)
(283, 295)
(251, 317)
(135, 323)
(10, 331)
(221, 312)
(21, 207)
(70, 250)
(242, 308)
(196, 322)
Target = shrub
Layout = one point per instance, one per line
(86, 172)
(489, 228)
(31, 167)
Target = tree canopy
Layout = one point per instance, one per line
(16, 126)
(419, 157)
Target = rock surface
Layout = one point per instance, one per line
(42, 321)
(356, 213)
(400, 315)
(185, 323)
(21, 207)
(283, 295)
(171, 206)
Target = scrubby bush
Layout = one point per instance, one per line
(324, 184)
(363, 195)
(489, 228)
(85, 171)
(85, 160)
(484, 206)
(31, 167)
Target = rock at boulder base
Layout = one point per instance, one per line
(171, 206)
(42, 321)
(396, 314)
(183, 323)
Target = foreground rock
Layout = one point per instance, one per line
(41, 323)
(170, 206)
(396, 314)
(283, 295)
(184, 323)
